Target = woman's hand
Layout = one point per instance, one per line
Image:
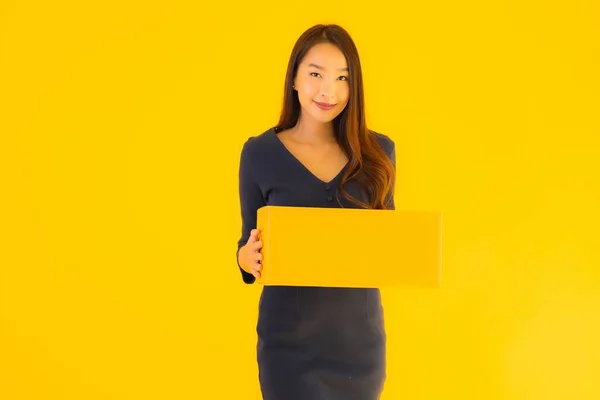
(249, 256)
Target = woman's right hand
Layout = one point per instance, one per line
(249, 256)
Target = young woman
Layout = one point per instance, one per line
(316, 342)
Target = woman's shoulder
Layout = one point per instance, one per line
(259, 144)
(385, 142)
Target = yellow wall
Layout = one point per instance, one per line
(120, 131)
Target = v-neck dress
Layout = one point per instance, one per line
(314, 343)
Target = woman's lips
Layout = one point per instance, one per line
(324, 106)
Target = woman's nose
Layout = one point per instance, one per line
(327, 90)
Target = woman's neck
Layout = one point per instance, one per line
(309, 130)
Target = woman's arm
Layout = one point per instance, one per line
(251, 199)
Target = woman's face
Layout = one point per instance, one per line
(322, 82)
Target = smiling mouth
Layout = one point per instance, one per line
(324, 106)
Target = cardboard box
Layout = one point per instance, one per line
(340, 247)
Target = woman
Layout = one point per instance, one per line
(316, 342)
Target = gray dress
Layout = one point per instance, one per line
(314, 343)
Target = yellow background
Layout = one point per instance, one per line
(120, 130)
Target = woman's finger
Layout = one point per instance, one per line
(254, 235)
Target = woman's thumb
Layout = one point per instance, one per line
(253, 236)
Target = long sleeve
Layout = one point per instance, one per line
(251, 199)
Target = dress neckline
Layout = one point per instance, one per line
(301, 164)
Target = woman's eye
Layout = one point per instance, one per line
(316, 75)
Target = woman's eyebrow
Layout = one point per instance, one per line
(319, 67)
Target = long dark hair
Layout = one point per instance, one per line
(368, 162)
